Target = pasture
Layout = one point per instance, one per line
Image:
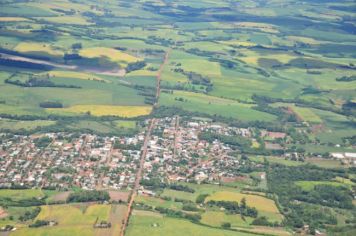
(154, 225)
(213, 105)
(19, 194)
(309, 185)
(265, 206)
(7, 124)
(76, 219)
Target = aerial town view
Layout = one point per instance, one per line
(174, 118)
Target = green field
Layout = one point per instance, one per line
(271, 54)
(265, 206)
(213, 106)
(158, 225)
(309, 185)
(15, 194)
(72, 219)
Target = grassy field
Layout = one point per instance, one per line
(16, 194)
(309, 185)
(199, 189)
(264, 205)
(112, 54)
(158, 225)
(76, 219)
(325, 163)
(152, 201)
(213, 105)
(216, 218)
(38, 47)
(76, 75)
(104, 110)
(27, 125)
(279, 160)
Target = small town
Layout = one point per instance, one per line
(176, 151)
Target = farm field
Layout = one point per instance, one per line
(16, 194)
(104, 110)
(264, 205)
(222, 63)
(158, 225)
(213, 105)
(193, 105)
(75, 219)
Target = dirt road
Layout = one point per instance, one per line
(138, 178)
(159, 75)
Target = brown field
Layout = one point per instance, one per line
(119, 196)
(61, 196)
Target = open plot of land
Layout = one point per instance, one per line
(216, 218)
(119, 196)
(264, 205)
(27, 125)
(279, 160)
(38, 47)
(213, 105)
(112, 54)
(74, 219)
(155, 202)
(309, 185)
(75, 75)
(104, 110)
(15, 194)
(153, 225)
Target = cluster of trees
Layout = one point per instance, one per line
(292, 197)
(201, 198)
(237, 141)
(235, 208)
(262, 220)
(349, 108)
(190, 207)
(135, 66)
(183, 188)
(156, 183)
(178, 214)
(148, 92)
(196, 78)
(29, 215)
(37, 82)
(346, 78)
(328, 195)
(42, 142)
(50, 104)
(89, 196)
(39, 223)
(22, 202)
(159, 41)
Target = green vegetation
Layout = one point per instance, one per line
(158, 225)
(88, 196)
